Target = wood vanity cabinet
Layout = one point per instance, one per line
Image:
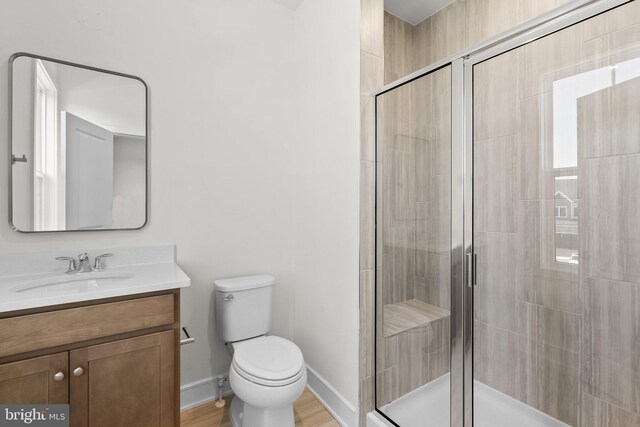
(116, 361)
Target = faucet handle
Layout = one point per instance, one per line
(98, 263)
(72, 263)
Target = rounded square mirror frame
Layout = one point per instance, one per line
(78, 147)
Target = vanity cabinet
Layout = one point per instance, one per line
(116, 361)
(124, 383)
(37, 380)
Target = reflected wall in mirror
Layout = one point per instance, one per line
(79, 147)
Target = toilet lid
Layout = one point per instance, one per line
(268, 360)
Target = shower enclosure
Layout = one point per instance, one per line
(507, 230)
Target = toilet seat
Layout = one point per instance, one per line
(269, 361)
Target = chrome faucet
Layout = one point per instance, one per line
(84, 265)
(72, 268)
(97, 266)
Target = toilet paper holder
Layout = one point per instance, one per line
(188, 339)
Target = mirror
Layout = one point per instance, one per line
(78, 147)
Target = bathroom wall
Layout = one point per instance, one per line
(223, 152)
(325, 191)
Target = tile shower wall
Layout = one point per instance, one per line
(457, 26)
(560, 333)
(415, 166)
(371, 79)
(559, 336)
(414, 125)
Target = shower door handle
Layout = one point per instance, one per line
(472, 261)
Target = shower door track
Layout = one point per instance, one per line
(461, 340)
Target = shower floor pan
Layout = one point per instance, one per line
(428, 406)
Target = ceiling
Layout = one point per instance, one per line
(414, 11)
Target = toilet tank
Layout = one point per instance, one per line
(243, 307)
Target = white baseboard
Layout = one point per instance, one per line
(335, 403)
(203, 391)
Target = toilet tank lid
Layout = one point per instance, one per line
(243, 283)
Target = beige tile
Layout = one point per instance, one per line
(558, 373)
(488, 18)
(608, 122)
(598, 413)
(406, 315)
(549, 59)
(495, 293)
(505, 361)
(610, 242)
(432, 279)
(496, 178)
(367, 321)
(439, 223)
(400, 188)
(496, 97)
(541, 280)
(441, 121)
(528, 9)
(367, 138)
(448, 30)
(398, 48)
(624, 44)
(367, 230)
(423, 44)
(387, 386)
(532, 149)
(366, 399)
(615, 20)
(612, 342)
(371, 27)
(372, 78)
(372, 73)
(399, 265)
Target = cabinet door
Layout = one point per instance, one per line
(35, 380)
(124, 383)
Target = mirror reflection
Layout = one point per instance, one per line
(78, 147)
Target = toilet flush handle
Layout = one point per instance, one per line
(228, 297)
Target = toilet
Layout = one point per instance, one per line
(267, 373)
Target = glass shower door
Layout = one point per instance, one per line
(556, 196)
(413, 262)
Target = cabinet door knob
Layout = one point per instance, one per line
(59, 376)
(78, 371)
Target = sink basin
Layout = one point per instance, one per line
(73, 283)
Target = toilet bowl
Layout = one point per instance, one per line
(267, 373)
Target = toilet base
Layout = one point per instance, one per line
(243, 414)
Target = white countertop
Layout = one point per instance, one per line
(150, 277)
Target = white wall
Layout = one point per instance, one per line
(253, 153)
(326, 157)
(220, 143)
